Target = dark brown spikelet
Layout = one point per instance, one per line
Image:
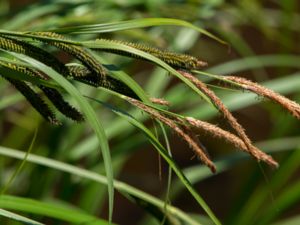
(20, 46)
(83, 74)
(77, 52)
(291, 106)
(176, 60)
(217, 132)
(52, 94)
(118, 86)
(64, 107)
(180, 131)
(35, 100)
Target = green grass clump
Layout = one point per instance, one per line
(69, 62)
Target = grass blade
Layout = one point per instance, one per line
(164, 153)
(198, 173)
(120, 186)
(90, 116)
(133, 24)
(106, 44)
(17, 217)
(19, 168)
(52, 210)
(290, 221)
(255, 62)
(30, 14)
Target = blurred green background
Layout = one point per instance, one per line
(264, 46)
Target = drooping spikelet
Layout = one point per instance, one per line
(78, 52)
(291, 106)
(176, 60)
(217, 132)
(61, 105)
(23, 47)
(52, 94)
(83, 74)
(221, 107)
(35, 100)
(184, 132)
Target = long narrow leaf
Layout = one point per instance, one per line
(199, 173)
(52, 210)
(164, 153)
(17, 217)
(133, 24)
(106, 44)
(90, 115)
(255, 62)
(76, 171)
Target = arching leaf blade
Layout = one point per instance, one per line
(134, 24)
(89, 114)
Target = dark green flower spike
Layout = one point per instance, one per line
(35, 100)
(52, 94)
(64, 107)
(179, 61)
(83, 74)
(20, 46)
(99, 73)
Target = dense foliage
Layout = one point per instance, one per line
(64, 56)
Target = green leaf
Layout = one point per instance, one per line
(290, 221)
(89, 114)
(7, 72)
(19, 168)
(52, 210)
(164, 153)
(120, 186)
(126, 79)
(10, 100)
(198, 173)
(133, 24)
(19, 218)
(106, 44)
(255, 62)
(30, 14)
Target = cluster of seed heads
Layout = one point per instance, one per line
(93, 73)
